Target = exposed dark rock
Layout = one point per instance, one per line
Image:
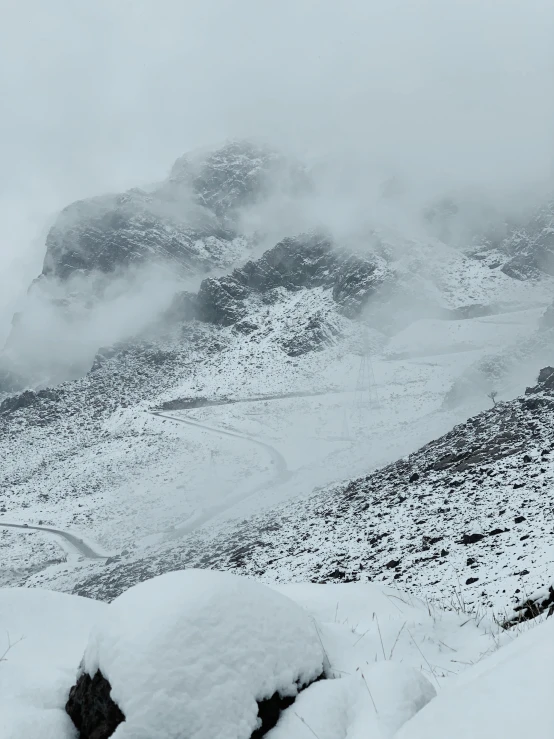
(269, 710)
(238, 174)
(428, 541)
(112, 232)
(91, 708)
(188, 220)
(471, 580)
(221, 300)
(545, 380)
(471, 538)
(314, 336)
(532, 607)
(29, 398)
(246, 327)
(356, 281)
(306, 261)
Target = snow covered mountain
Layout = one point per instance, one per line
(130, 253)
(276, 354)
(187, 221)
(525, 250)
(345, 420)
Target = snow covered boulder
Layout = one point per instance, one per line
(201, 654)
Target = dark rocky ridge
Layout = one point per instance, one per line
(306, 261)
(237, 175)
(186, 225)
(118, 231)
(187, 221)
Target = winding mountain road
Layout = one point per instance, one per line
(282, 474)
(83, 549)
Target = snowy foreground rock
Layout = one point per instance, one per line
(193, 653)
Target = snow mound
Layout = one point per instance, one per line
(374, 703)
(192, 652)
(47, 632)
(22, 722)
(508, 695)
(398, 692)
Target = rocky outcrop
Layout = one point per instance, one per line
(318, 333)
(305, 261)
(532, 247)
(540, 604)
(114, 232)
(526, 249)
(115, 244)
(237, 175)
(91, 708)
(28, 399)
(187, 221)
(357, 281)
(222, 300)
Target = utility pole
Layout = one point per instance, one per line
(365, 396)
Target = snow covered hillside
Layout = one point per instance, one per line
(270, 383)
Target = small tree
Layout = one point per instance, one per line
(492, 395)
(11, 645)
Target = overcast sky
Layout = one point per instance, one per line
(99, 95)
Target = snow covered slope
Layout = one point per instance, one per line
(467, 519)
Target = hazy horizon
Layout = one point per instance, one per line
(99, 99)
